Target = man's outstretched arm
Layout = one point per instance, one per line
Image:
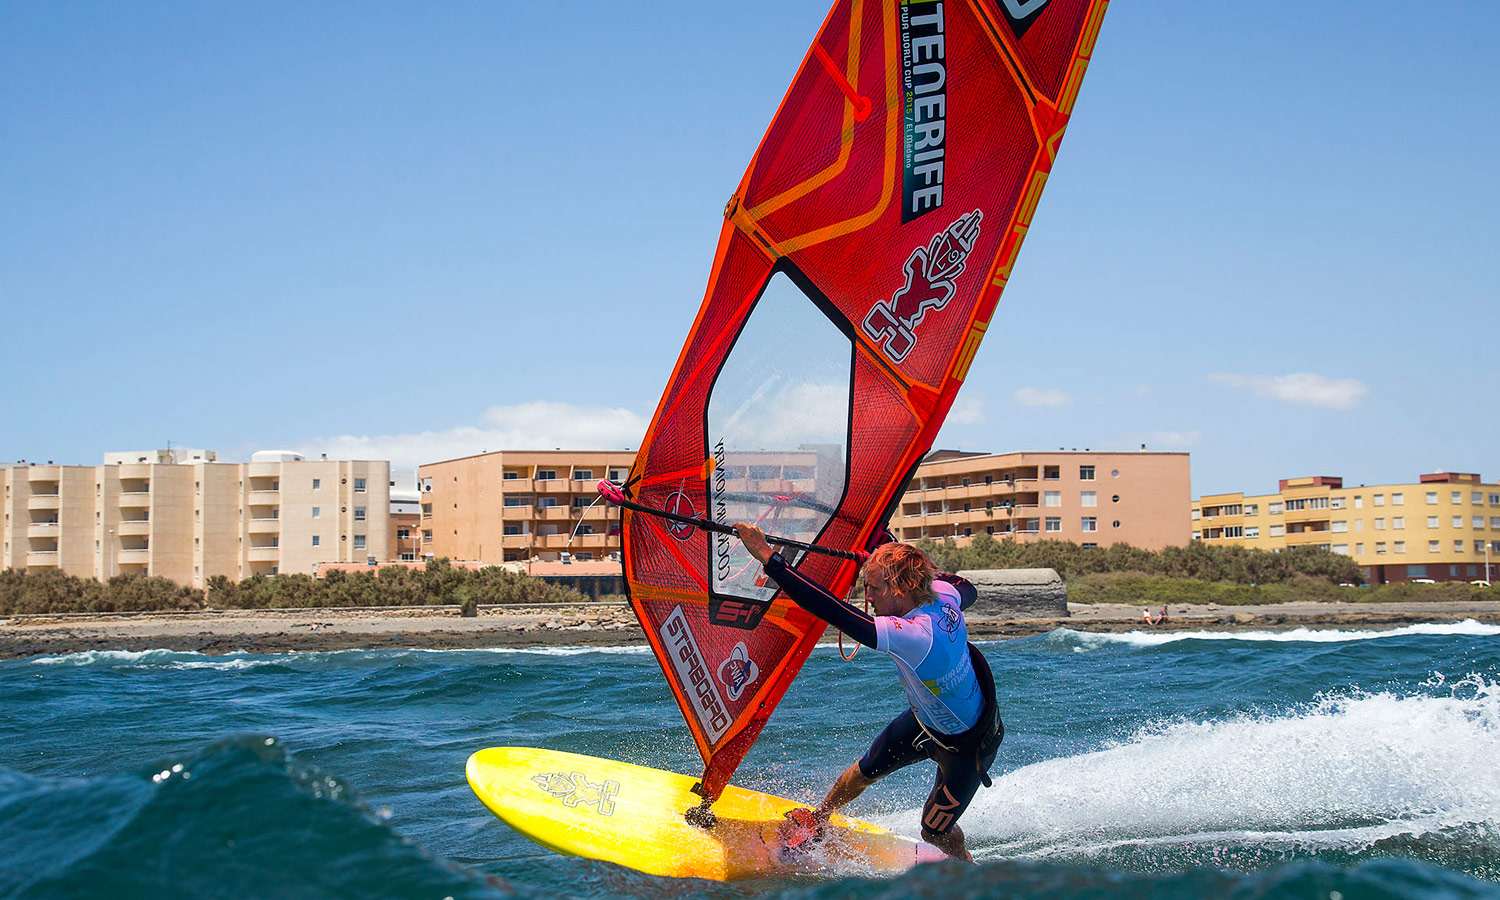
(804, 592)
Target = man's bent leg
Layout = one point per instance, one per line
(850, 785)
(951, 843)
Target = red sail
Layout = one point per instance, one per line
(861, 259)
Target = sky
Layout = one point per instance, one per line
(419, 231)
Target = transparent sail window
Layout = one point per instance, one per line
(778, 430)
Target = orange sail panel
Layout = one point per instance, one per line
(861, 259)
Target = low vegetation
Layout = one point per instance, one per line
(1197, 573)
(437, 584)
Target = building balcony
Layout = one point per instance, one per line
(135, 499)
(139, 555)
(264, 526)
(44, 501)
(42, 530)
(551, 542)
(515, 541)
(133, 527)
(596, 542)
(554, 513)
(41, 559)
(263, 554)
(266, 496)
(552, 486)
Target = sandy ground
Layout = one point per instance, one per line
(600, 624)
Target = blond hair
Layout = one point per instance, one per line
(905, 570)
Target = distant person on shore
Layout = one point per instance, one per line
(1147, 617)
(1161, 619)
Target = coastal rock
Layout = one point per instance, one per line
(1019, 593)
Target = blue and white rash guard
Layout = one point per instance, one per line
(930, 645)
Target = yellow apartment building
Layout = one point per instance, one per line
(515, 505)
(184, 516)
(1092, 499)
(1444, 526)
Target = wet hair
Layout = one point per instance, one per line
(905, 570)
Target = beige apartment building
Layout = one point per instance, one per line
(517, 505)
(182, 515)
(1092, 499)
(524, 505)
(1444, 526)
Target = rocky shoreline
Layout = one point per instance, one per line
(610, 624)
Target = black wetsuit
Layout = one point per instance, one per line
(963, 759)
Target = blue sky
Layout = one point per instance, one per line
(417, 231)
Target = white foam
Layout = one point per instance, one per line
(1467, 627)
(1343, 771)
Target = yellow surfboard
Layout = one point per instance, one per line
(634, 816)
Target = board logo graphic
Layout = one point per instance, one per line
(679, 504)
(1021, 14)
(738, 671)
(930, 272)
(572, 788)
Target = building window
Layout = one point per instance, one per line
(585, 529)
(317, 484)
(403, 534)
(1054, 523)
(616, 474)
(1458, 521)
(1359, 524)
(1052, 498)
(427, 534)
(1458, 546)
(1359, 501)
(1494, 499)
(1252, 531)
(1400, 546)
(1495, 522)
(546, 502)
(1379, 499)
(1380, 524)
(1088, 498)
(1456, 497)
(1432, 546)
(317, 540)
(316, 512)
(1275, 507)
(1252, 509)
(511, 529)
(1341, 549)
(426, 509)
(1380, 548)
(359, 542)
(1476, 498)
(1359, 549)
(1278, 530)
(1398, 499)
(1432, 522)
(1431, 498)
(1340, 526)
(1230, 531)
(510, 475)
(1085, 473)
(359, 485)
(1051, 473)
(359, 513)
(546, 474)
(1088, 546)
(1089, 523)
(516, 501)
(1336, 502)
(1398, 522)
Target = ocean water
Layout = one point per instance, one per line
(1331, 765)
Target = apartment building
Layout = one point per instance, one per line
(182, 515)
(1444, 526)
(516, 505)
(1090, 498)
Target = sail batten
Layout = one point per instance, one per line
(858, 269)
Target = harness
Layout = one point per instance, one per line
(981, 741)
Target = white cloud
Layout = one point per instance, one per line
(1030, 396)
(968, 409)
(541, 425)
(1303, 388)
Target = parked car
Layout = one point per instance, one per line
(1480, 582)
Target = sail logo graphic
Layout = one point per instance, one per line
(692, 674)
(573, 788)
(738, 671)
(924, 88)
(930, 272)
(1021, 14)
(679, 504)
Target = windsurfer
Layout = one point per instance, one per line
(952, 720)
